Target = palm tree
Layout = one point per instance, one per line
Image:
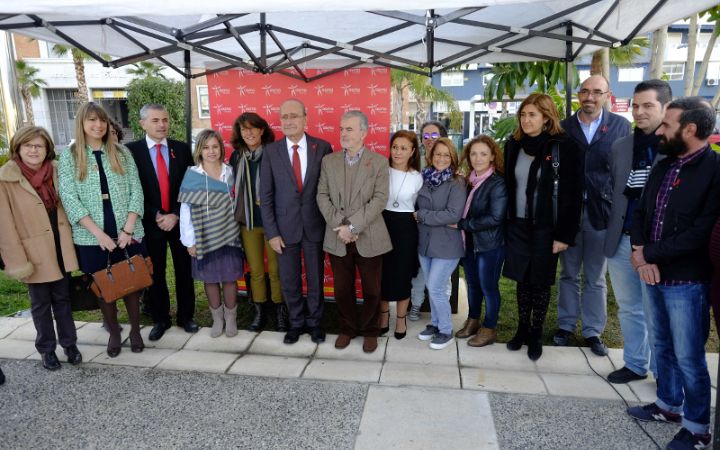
(625, 55)
(145, 69)
(79, 57)
(657, 57)
(506, 78)
(713, 16)
(30, 86)
(407, 84)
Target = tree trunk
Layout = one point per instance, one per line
(716, 99)
(699, 77)
(601, 66)
(82, 93)
(690, 62)
(657, 59)
(27, 100)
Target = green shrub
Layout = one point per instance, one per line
(170, 94)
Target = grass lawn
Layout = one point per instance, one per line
(14, 298)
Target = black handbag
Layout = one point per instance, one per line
(82, 297)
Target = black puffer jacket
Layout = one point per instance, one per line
(484, 225)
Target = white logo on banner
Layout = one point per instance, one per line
(295, 90)
(348, 89)
(322, 90)
(377, 71)
(349, 107)
(269, 90)
(220, 91)
(271, 109)
(220, 109)
(222, 74)
(222, 126)
(242, 72)
(322, 109)
(348, 72)
(323, 128)
(377, 109)
(244, 90)
(374, 146)
(244, 107)
(375, 90)
(375, 128)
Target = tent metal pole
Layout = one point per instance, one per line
(188, 103)
(263, 44)
(568, 61)
(430, 38)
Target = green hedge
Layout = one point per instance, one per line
(170, 94)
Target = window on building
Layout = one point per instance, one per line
(674, 70)
(630, 73)
(452, 78)
(203, 101)
(62, 107)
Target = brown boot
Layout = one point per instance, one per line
(370, 344)
(469, 329)
(486, 336)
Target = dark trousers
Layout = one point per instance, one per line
(48, 300)
(301, 313)
(157, 242)
(370, 269)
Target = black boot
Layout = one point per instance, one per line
(259, 319)
(282, 316)
(519, 339)
(535, 345)
(2, 377)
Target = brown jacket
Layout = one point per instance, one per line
(27, 244)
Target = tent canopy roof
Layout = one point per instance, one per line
(288, 37)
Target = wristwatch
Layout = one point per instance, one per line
(353, 230)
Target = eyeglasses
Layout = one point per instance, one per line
(433, 135)
(290, 116)
(401, 147)
(35, 146)
(439, 155)
(589, 93)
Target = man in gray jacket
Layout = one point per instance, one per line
(631, 160)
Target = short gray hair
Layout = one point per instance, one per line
(156, 106)
(359, 114)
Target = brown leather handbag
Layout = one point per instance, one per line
(122, 278)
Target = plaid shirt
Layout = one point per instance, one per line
(672, 179)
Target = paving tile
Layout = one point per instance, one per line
(196, 361)
(394, 373)
(386, 408)
(334, 369)
(16, 349)
(95, 334)
(584, 386)
(25, 332)
(616, 357)
(202, 341)
(269, 366)
(10, 324)
(495, 356)
(413, 350)
(502, 381)
(150, 357)
(174, 338)
(645, 390)
(563, 360)
(271, 343)
(602, 364)
(712, 363)
(353, 351)
(88, 352)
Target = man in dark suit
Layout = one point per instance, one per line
(289, 175)
(161, 164)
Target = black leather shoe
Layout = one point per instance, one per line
(562, 337)
(281, 314)
(2, 377)
(50, 361)
(292, 335)
(624, 375)
(317, 335)
(190, 326)
(597, 346)
(518, 340)
(73, 355)
(158, 330)
(257, 323)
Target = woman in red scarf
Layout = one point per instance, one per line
(36, 242)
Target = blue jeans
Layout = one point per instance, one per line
(482, 274)
(681, 322)
(437, 272)
(632, 311)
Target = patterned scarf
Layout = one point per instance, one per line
(42, 181)
(435, 178)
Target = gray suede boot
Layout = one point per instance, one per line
(231, 322)
(217, 326)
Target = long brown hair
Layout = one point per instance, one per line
(495, 150)
(545, 104)
(112, 151)
(27, 134)
(414, 161)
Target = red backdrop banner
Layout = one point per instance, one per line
(233, 92)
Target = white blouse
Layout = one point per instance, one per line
(404, 188)
(187, 231)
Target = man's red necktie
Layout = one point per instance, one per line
(163, 179)
(296, 167)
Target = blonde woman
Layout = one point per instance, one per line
(209, 231)
(101, 191)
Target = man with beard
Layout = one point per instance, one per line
(630, 163)
(594, 129)
(670, 235)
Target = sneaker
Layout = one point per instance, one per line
(414, 313)
(653, 413)
(441, 340)
(562, 337)
(596, 346)
(624, 375)
(686, 440)
(428, 333)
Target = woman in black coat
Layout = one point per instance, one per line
(539, 227)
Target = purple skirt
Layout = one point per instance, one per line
(221, 266)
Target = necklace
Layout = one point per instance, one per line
(397, 193)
